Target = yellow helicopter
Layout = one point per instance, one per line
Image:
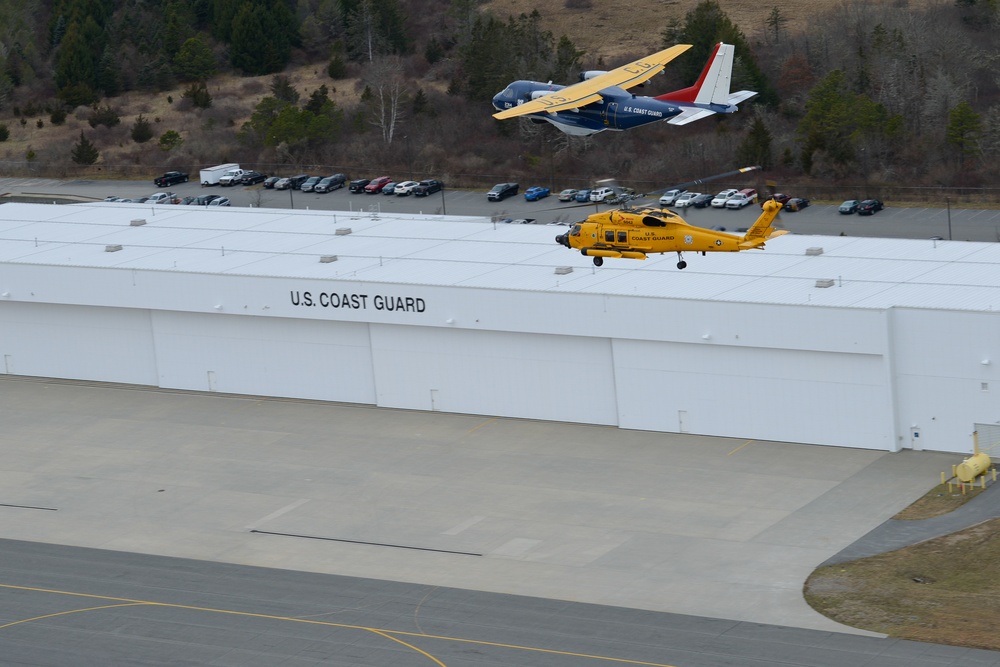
(633, 233)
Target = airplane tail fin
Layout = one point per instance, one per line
(762, 229)
(710, 93)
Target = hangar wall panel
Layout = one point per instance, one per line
(532, 376)
(78, 342)
(328, 361)
(943, 391)
(768, 394)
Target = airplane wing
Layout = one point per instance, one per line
(587, 92)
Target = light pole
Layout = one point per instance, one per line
(947, 201)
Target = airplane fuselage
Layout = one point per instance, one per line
(617, 110)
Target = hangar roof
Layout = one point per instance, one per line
(475, 252)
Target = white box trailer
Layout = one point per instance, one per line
(211, 175)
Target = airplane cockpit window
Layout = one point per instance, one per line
(507, 94)
(575, 231)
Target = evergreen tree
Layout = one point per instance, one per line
(963, 130)
(756, 146)
(195, 60)
(199, 95)
(262, 37)
(169, 140)
(4, 132)
(84, 152)
(76, 65)
(142, 130)
(282, 89)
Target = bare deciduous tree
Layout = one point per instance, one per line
(386, 82)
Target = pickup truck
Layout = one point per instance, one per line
(231, 177)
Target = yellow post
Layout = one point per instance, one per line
(954, 470)
(994, 474)
(975, 442)
(984, 481)
(942, 477)
(963, 488)
(950, 489)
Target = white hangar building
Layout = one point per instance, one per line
(871, 343)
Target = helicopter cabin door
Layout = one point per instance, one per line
(610, 114)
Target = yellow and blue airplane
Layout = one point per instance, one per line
(602, 101)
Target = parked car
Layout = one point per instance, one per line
(219, 201)
(425, 188)
(162, 198)
(535, 193)
(291, 182)
(602, 194)
(669, 197)
(850, 206)
(270, 181)
(376, 184)
(253, 177)
(702, 201)
(310, 183)
(583, 195)
(796, 204)
(870, 207)
(389, 188)
(501, 191)
(779, 197)
(719, 201)
(742, 198)
(686, 199)
(358, 185)
(331, 183)
(568, 194)
(170, 178)
(405, 188)
(204, 200)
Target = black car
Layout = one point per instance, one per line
(425, 188)
(204, 200)
(796, 204)
(501, 191)
(870, 207)
(359, 185)
(702, 201)
(170, 178)
(270, 181)
(252, 177)
(297, 181)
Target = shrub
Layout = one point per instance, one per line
(170, 140)
(4, 132)
(198, 95)
(105, 116)
(142, 130)
(58, 116)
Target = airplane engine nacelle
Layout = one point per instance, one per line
(590, 74)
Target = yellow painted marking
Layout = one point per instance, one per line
(739, 448)
(476, 428)
(72, 611)
(388, 634)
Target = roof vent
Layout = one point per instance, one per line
(326, 259)
(563, 270)
(112, 248)
(138, 222)
(814, 252)
(343, 231)
(824, 282)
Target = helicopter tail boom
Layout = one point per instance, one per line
(762, 229)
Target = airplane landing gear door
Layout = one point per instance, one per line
(610, 114)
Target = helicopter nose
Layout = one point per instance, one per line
(563, 239)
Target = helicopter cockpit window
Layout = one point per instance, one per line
(609, 237)
(575, 231)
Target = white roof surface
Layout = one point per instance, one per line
(474, 252)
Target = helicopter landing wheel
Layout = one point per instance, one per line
(598, 261)
(680, 261)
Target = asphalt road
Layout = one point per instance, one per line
(893, 222)
(62, 606)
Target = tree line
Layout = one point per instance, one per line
(873, 92)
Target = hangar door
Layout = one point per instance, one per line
(534, 376)
(265, 356)
(814, 397)
(77, 342)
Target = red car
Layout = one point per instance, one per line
(781, 198)
(377, 184)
